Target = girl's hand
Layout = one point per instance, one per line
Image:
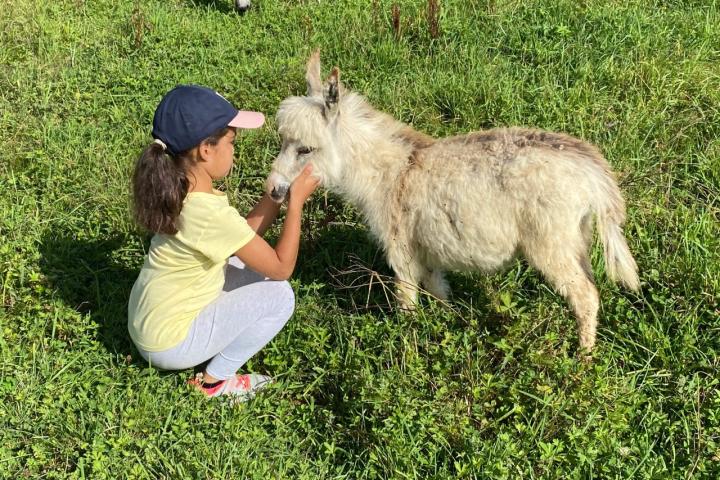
(303, 186)
(278, 263)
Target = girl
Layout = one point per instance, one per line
(189, 303)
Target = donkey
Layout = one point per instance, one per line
(468, 202)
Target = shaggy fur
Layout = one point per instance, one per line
(469, 202)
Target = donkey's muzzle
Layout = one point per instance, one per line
(279, 191)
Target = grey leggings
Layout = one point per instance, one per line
(250, 311)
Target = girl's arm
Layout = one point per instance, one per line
(278, 263)
(263, 215)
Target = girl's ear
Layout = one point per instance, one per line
(203, 152)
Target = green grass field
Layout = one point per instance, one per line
(488, 386)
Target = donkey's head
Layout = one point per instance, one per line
(308, 128)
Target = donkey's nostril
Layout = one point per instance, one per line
(278, 192)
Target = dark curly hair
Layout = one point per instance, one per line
(160, 184)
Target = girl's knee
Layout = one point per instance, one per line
(285, 296)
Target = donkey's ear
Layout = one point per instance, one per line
(331, 90)
(312, 75)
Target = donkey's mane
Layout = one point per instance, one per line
(379, 126)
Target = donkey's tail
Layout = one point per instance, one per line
(619, 262)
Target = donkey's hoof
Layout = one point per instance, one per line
(585, 355)
(407, 307)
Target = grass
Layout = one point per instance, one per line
(487, 387)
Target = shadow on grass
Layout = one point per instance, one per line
(92, 278)
(341, 259)
(351, 268)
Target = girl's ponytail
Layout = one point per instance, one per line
(159, 187)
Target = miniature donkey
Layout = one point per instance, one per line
(469, 202)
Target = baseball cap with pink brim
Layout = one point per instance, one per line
(247, 119)
(188, 114)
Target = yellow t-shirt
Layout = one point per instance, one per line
(185, 272)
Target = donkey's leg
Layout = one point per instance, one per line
(408, 272)
(435, 283)
(566, 267)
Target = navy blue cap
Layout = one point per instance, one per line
(188, 114)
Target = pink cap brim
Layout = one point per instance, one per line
(245, 119)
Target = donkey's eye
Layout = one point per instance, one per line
(304, 150)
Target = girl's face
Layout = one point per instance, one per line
(219, 158)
